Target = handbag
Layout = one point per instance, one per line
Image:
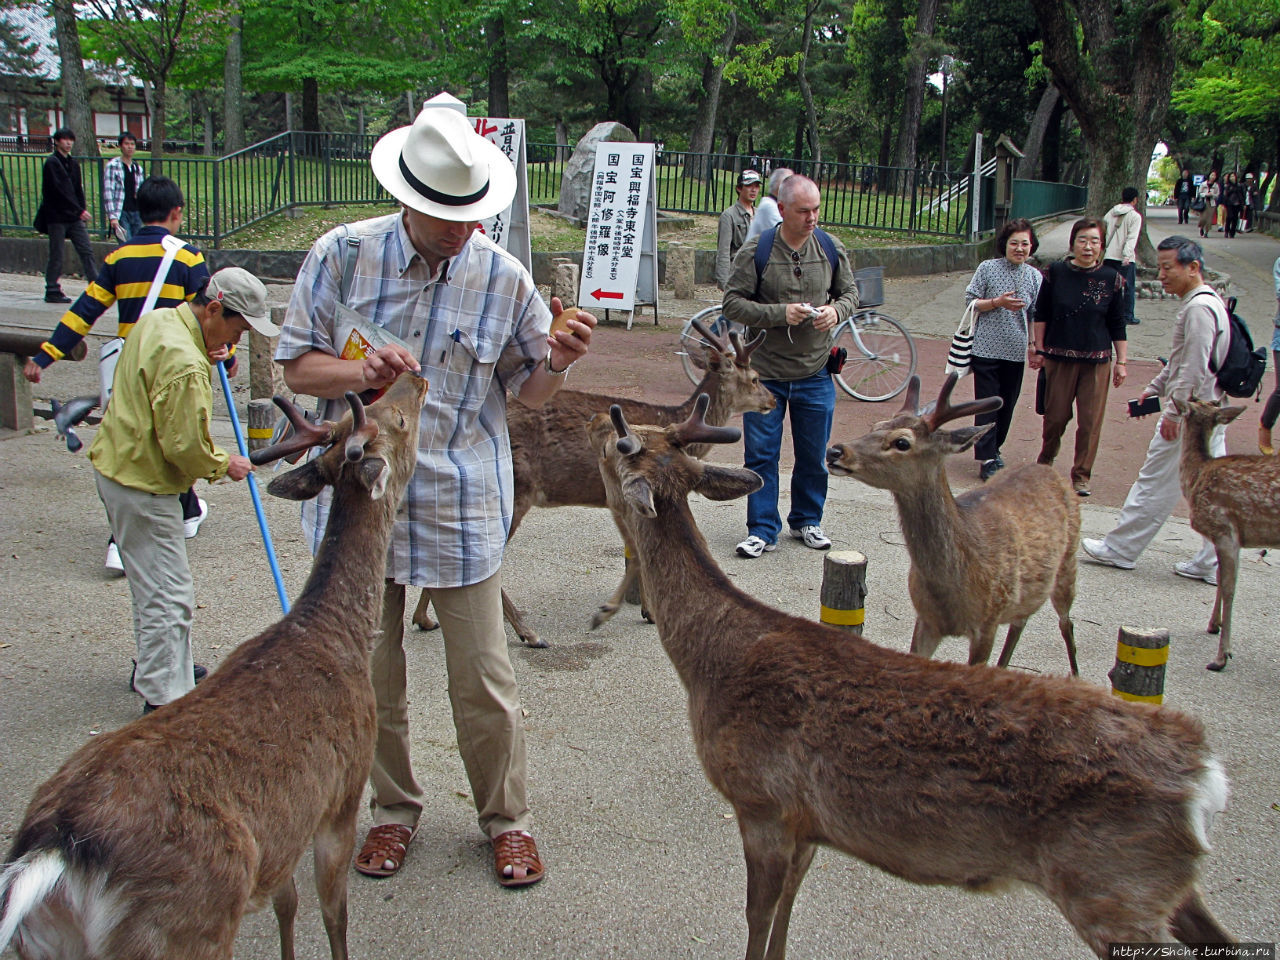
(41, 222)
(961, 352)
(1197, 204)
(1041, 378)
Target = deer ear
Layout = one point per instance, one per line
(637, 492)
(1227, 414)
(374, 474)
(727, 483)
(300, 483)
(960, 440)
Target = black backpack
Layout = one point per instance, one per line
(1241, 372)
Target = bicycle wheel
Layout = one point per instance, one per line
(691, 341)
(880, 368)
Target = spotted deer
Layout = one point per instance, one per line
(936, 772)
(990, 556)
(154, 840)
(1235, 502)
(555, 467)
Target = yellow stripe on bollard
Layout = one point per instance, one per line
(1135, 698)
(842, 618)
(260, 433)
(1142, 656)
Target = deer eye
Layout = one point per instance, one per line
(902, 443)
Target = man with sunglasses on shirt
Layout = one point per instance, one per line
(803, 291)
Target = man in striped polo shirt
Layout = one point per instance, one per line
(125, 280)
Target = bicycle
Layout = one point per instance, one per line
(881, 354)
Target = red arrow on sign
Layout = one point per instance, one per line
(599, 294)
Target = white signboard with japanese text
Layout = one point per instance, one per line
(619, 259)
(509, 229)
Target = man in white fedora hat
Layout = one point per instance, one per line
(476, 329)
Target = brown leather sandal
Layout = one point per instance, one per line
(384, 850)
(515, 859)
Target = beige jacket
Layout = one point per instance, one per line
(1187, 373)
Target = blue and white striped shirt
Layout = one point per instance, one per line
(478, 327)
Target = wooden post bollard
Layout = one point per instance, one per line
(844, 589)
(1140, 664)
(262, 421)
(564, 281)
(266, 379)
(634, 594)
(15, 394)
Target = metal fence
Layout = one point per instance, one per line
(226, 194)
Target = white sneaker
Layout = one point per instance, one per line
(753, 546)
(1190, 570)
(1099, 552)
(813, 537)
(113, 561)
(192, 526)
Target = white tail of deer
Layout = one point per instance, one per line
(153, 841)
(1235, 502)
(990, 556)
(939, 773)
(554, 465)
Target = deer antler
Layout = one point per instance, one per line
(743, 351)
(720, 343)
(697, 430)
(911, 399)
(628, 443)
(363, 430)
(943, 411)
(305, 435)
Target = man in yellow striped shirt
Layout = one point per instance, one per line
(125, 280)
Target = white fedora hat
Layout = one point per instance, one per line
(441, 167)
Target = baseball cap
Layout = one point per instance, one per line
(241, 292)
(747, 177)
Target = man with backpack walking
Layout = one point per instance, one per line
(797, 294)
(1201, 342)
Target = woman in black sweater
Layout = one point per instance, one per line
(1079, 322)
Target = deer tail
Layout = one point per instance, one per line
(25, 884)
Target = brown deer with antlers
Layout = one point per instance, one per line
(939, 773)
(1235, 502)
(153, 841)
(987, 557)
(554, 465)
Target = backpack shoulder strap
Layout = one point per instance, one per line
(829, 248)
(349, 268)
(1214, 366)
(764, 246)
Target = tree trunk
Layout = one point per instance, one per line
(806, 92)
(311, 104)
(499, 101)
(233, 138)
(1029, 165)
(704, 124)
(75, 93)
(159, 122)
(562, 139)
(1119, 91)
(913, 91)
(1051, 149)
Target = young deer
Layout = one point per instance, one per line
(153, 841)
(1235, 502)
(936, 772)
(554, 465)
(987, 557)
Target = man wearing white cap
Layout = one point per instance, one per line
(476, 329)
(153, 444)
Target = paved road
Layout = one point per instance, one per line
(644, 857)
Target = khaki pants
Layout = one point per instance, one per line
(147, 528)
(1085, 385)
(486, 708)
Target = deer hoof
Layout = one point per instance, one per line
(425, 622)
(533, 640)
(603, 615)
(648, 617)
(1219, 663)
(1214, 627)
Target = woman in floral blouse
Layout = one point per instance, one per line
(1005, 289)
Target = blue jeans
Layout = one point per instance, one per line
(131, 220)
(812, 402)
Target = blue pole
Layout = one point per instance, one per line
(253, 489)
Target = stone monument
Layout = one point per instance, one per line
(575, 185)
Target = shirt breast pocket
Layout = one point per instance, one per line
(469, 367)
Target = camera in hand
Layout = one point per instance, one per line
(1140, 408)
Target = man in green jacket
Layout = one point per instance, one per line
(153, 444)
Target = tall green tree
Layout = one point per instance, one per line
(1114, 63)
(75, 89)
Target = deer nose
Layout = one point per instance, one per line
(835, 453)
